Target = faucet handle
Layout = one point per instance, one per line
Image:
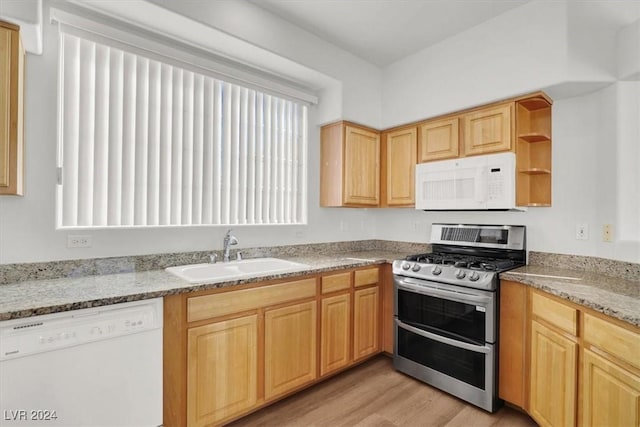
(213, 257)
(239, 256)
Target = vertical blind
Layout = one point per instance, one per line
(144, 142)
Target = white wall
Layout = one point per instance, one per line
(523, 50)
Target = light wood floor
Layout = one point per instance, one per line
(374, 394)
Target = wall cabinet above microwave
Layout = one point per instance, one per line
(354, 174)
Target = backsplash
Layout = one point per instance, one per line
(13, 273)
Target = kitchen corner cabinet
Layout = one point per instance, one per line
(439, 139)
(349, 166)
(11, 110)
(573, 366)
(488, 130)
(398, 159)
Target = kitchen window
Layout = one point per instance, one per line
(147, 139)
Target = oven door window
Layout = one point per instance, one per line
(456, 320)
(465, 365)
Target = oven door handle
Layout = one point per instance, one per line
(431, 291)
(440, 338)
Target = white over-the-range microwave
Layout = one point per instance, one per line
(485, 182)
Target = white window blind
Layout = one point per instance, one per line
(144, 142)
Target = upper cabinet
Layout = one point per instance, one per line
(350, 166)
(11, 92)
(438, 140)
(488, 130)
(398, 161)
(361, 169)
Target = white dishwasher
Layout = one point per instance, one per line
(99, 366)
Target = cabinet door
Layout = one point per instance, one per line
(439, 140)
(488, 130)
(553, 377)
(11, 92)
(335, 333)
(365, 322)
(222, 370)
(289, 348)
(400, 161)
(361, 167)
(611, 395)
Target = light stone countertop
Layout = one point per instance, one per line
(613, 296)
(36, 297)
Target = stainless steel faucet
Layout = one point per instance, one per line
(229, 240)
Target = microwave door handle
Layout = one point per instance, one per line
(481, 185)
(444, 340)
(457, 296)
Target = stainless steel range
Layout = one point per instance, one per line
(446, 308)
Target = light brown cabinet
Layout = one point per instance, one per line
(439, 140)
(365, 322)
(488, 130)
(289, 348)
(350, 166)
(571, 366)
(398, 158)
(11, 110)
(554, 366)
(222, 370)
(228, 352)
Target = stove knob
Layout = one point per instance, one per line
(474, 276)
(460, 274)
(406, 266)
(416, 267)
(436, 271)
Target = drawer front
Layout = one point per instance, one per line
(209, 306)
(613, 339)
(556, 313)
(370, 276)
(336, 282)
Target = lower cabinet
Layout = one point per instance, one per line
(289, 348)
(611, 394)
(336, 333)
(579, 367)
(553, 377)
(229, 352)
(222, 370)
(366, 303)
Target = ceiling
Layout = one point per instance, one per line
(384, 31)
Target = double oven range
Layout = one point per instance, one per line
(446, 308)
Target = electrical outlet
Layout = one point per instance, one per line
(582, 231)
(79, 241)
(607, 233)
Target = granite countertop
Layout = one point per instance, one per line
(613, 296)
(36, 297)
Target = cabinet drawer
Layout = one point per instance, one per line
(336, 282)
(209, 306)
(370, 276)
(615, 340)
(554, 312)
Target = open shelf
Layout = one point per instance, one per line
(535, 137)
(535, 171)
(535, 103)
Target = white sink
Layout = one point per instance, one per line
(197, 273)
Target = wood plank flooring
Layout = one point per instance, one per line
(374, 394)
